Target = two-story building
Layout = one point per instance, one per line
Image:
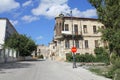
(75, 31)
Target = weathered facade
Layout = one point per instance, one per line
(79, 32)
(41, 50)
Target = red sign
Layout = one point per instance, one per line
(73, 49)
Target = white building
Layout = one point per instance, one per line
(6, 29)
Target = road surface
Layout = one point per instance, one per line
(45, 70)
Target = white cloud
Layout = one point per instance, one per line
(52, 8)
(29, 18)
(89, 13)
(39, 38)
(27, 3)
(7, 5)
(14, 22)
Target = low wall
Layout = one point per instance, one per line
(8, 55)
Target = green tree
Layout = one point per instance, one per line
(25, 45)
(108, 13)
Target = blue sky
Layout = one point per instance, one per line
(35, 18)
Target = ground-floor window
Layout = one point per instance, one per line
(67, 44)
(86, 44)
(96, 43)
(77, 43)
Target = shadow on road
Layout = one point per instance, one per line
(34, 60)
(16, 65)
(20, 64)
(13, 65)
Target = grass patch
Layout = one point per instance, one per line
(100, 70)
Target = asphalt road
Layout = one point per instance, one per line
(45, 70)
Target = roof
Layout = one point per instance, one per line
(80, 18)
(9, 23)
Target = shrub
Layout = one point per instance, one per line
(117, 74)
(113, 58)
(115, 70)
(116, 64)
(89, 57)
(81, 58)
(102, 55)
(41, 56)
(69, 57)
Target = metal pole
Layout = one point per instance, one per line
(74, 61)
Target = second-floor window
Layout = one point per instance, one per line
(53, 47)
(86, 44)
(67, 44)
(77, 43)
(76, 29)
(66, 27)
(102, 27)
(62, 28)
(94, 30)
(85, 28)
(96, 43)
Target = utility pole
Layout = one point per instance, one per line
(73, 52)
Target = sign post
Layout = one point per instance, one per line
(74, 49)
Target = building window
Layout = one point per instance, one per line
(86, 44)
(102, 27)
(85, 28)
(76, 29)
(77, 43)
(94, 30)
(62, 27)
(66, 27)
(67, 44)
(53, 47)
(60, 24)
(96, 43)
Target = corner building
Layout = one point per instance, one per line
(80, 32)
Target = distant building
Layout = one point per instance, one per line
(6, 30)
(84, 31)
(41, 50)
(52, 50)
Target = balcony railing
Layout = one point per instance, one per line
(58, 37)
(70, 33)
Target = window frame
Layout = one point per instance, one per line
(86, 44)
(85, 29)
(67, 44)
(94, 29)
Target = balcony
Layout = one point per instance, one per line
(70, 33)
(66, 32)
(58, 37)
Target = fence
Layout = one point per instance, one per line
(8, 55)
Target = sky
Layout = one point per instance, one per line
(36, 18)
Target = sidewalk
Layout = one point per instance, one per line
(84, 74)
